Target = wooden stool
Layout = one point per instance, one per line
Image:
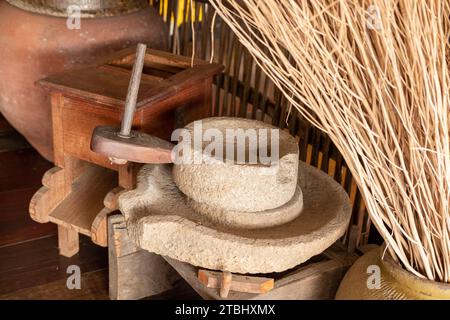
(82, 188)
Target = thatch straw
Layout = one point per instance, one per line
(380, 90)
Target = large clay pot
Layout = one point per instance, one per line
(34, 45)
(395, 283)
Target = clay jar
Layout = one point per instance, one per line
(35, 42)
(395, 283)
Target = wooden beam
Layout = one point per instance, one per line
(312, 280)
(234, 282)
(134, 273)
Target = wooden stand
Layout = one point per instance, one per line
(226, 281)
(316, 279)
(134, 273)
(82, 189)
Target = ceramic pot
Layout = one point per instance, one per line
(34, 45)
(395, 282)
(88, 8)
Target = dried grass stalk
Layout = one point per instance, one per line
(380, 89)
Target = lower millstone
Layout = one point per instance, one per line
(160, 220)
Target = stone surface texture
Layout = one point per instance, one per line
(229, 185)
(160, 220)
(252, 220)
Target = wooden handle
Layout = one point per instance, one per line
(133, 90)
(138, 147)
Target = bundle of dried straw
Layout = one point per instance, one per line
(373, 75)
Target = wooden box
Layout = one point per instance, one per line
(82, 188)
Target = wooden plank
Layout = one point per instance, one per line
(134, 273)
(158, 57)
(181, 291)
(94, 285)
(240, 283)
(318, 281)
(312, 280)
(79, 209)
(179, 82)
(36, 262)
(106, 85)
(57, 102)
(79, 119)
(120, 243)
(126, 71)
(109, 84)
(189, 273)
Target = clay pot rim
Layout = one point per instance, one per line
(59, 8)
(425, 287)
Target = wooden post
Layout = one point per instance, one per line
(68, 241)
(134, 273)
(225, 284)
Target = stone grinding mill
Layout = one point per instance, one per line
(223, 214)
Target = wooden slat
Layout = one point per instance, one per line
(101, 84)
(316, 279)
(134, 273)
(79, 209)
(239, 283)
(94, 286)
(245, 96)
(33, 263)
(238, 55)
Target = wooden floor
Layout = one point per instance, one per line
(30, 266)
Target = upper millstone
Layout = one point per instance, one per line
(221, 180)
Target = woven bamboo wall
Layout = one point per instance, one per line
(243, 90)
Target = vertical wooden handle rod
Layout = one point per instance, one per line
(133, 89)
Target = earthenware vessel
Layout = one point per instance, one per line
(36, 40)
(395, 283)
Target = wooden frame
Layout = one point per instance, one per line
(133, 272)
(316, 279)
(80, 191)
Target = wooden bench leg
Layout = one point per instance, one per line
(68, 241)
